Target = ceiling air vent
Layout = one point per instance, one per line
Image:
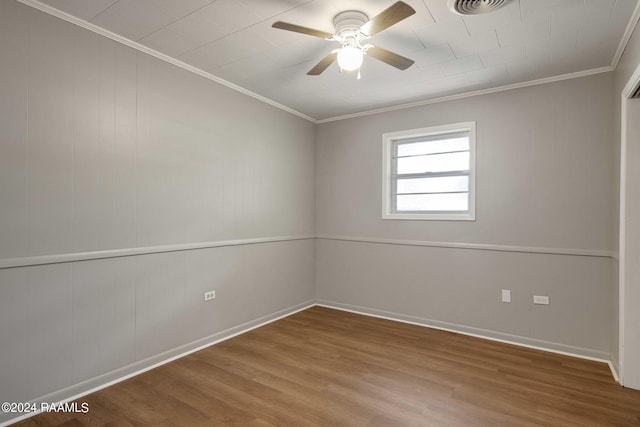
(475, 7)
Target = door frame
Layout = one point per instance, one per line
(627, 92)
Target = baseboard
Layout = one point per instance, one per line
(615, 367)
(553, 347)
(92, 385)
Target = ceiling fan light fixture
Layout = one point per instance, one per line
(350, 57)
(352, 28)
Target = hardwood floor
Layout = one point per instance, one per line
(331, 368)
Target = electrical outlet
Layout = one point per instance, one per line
(208, 296)
(541, 299)
(506, 295)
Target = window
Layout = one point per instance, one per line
(429, 173)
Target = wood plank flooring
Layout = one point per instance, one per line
(324, 367)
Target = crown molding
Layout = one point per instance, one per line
(166, 58)
(628, 32)
(472, 93)
(135, 45)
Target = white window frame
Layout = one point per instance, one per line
(388, 140)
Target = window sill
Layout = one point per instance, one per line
(431, 217)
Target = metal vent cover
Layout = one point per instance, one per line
(475, 7)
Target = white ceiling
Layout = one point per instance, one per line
(233, 40)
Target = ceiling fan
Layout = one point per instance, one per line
(352, 28)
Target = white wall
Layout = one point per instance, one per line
(544, 180)
(104, 148)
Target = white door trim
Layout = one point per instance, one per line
(627, 92)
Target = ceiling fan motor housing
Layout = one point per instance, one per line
(348, 23)
(475, 7)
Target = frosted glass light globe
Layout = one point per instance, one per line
(350, 58)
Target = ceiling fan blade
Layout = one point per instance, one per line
(388, 17)
(390, 58)
(323, 64)
(304, 30)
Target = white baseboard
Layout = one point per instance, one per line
(92, 385)
(614, 366)
(549, 346)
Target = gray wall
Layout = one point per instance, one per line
(627, 65)
(105, 148)
(544, 180)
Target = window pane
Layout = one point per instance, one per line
(457, 202)
(434, 163)
(442, 184)
(435, 146)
